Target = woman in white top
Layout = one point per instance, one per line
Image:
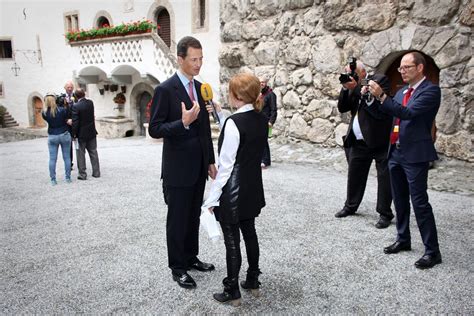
(236, 195)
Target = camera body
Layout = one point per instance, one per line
(61, 99)
(346, 77)
(368, 97)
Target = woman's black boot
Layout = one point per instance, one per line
(252, 283)
(231, 292)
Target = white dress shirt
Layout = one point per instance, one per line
(227, 156)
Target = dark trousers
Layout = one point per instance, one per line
(266, 159)
(91, 146)
(232, 246)
(182, 224)
(410, 180)
(359, 158)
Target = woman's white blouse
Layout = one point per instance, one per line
(227, 156)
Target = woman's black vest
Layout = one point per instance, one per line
(242, 197)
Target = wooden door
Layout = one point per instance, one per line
(37, 108)
(143, 100)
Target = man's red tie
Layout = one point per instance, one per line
(191, 91)
(396, 124)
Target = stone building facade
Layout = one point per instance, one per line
(304, 44)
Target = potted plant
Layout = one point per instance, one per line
(120, 98)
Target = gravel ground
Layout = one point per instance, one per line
(98, 246)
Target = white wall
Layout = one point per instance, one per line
(45, 18)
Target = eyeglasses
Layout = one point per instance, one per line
(405, 68)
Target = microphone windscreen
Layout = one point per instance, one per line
(206, 92)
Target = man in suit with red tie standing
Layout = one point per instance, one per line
(414, 107)
(179, 116)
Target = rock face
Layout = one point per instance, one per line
(303, 45)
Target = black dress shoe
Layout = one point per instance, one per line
(383, 223)
(344, 213)
(184, 280)
(428, 261)
(81, 178)
(396, 247)
(202, 266)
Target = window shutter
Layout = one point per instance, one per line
(164, 31)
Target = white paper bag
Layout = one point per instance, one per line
(209, 223)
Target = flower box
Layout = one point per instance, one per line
(138, 27)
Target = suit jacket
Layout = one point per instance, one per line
(187, 153)
(83, 120)
(374, 124)
(270, 106)
(416, 120)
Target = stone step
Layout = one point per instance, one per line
(9, 121)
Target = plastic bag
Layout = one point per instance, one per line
(210, 225)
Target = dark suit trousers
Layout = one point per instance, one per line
(266, 159)
(182, 224)
(91, 146)
(410, 180)
(359, 158)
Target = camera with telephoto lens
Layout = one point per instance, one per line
(344, 78)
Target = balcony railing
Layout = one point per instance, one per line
(146, 53)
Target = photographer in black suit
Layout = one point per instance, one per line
(367, 139)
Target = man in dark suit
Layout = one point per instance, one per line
(414, 107)
(365, 141)
(270, 111)
(179, 116)
(83, 128)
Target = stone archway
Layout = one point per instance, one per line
(35, 105)
(160, 7)
(389, 65)
(139, 97)
(143, 110)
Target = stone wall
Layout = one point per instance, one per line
(303, 45)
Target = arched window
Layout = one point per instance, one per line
(102, 22)
(202, 13)
(163, 25)
(200, 16)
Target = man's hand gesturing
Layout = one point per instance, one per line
(189, 116)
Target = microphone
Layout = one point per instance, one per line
(206, 93)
